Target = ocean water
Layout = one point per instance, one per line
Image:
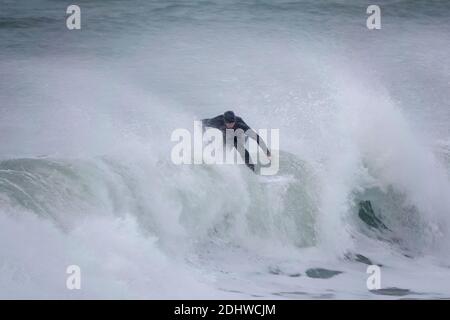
(86, 178)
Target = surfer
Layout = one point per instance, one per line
(230, 122)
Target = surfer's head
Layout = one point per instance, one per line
(229, 119)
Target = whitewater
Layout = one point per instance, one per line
(86, 176)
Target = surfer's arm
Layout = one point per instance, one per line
(213, 122)
(205, 122)
(252, 134)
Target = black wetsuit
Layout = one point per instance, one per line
(219, 123)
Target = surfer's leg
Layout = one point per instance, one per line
(247, 161)
(244, 154)
(246, 157)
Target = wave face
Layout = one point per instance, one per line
(85, 171)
